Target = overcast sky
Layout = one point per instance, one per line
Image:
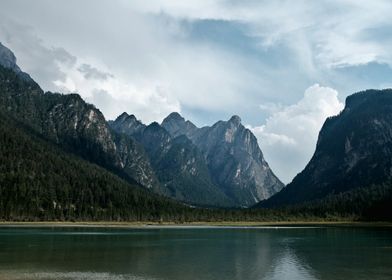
(283, 66)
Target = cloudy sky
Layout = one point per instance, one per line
(283, 66)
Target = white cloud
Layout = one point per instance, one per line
(150, 69)
(56, 69)
(33, 56)
(148, 45)
(331, 29)
(91, 72)
(113, 94)
(288, 137)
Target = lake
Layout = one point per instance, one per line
(195, 253)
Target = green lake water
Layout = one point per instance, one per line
(195, 253)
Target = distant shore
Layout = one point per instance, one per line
(106, 224)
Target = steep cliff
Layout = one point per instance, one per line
(354, 150)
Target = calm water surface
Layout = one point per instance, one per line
(195, 253)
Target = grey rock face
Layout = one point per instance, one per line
(134, 158)
(69, 118)
(134, 161)
(234, 158)
(179, 165)
(72, 122)
(127, 124)
(176, 125)
(354, 150)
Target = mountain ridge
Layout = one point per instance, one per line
(233, 156)
(179, 165)
(48, 140)
(73, 124)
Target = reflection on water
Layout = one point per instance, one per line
(288, 266)
(195, 253)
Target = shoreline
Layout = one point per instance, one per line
(105, 224)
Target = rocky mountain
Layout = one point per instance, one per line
(68, 121)
(179, 165)
(233, 156)
(40, 181)
(220, 165)
(354, 151)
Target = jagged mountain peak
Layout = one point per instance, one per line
(234, 158)
(180, 166)
(174, 116)
(176, 125)
(122, 117)
(132, 117)
(127, 124)
(126, 117)
(235, 120)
